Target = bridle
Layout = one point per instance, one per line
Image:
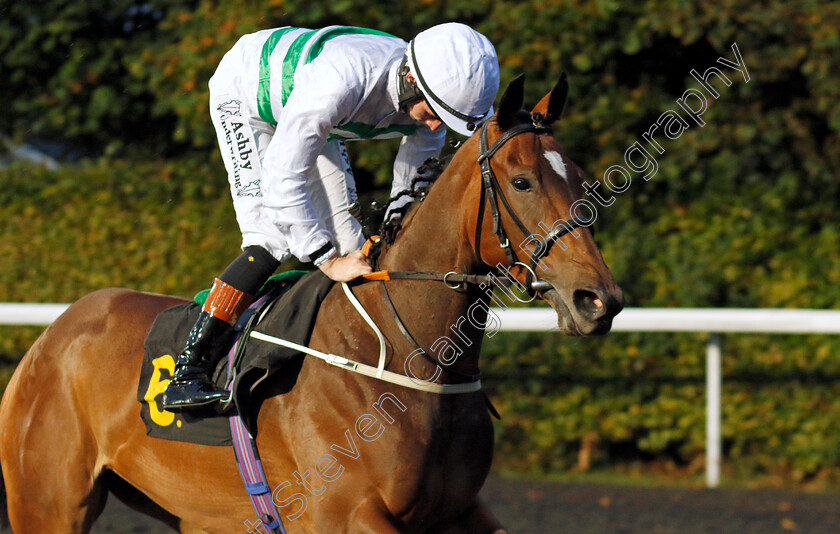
(490, 191)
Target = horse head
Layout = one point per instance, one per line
(510, 199)
(532, 218)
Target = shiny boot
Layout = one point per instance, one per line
(190, 387)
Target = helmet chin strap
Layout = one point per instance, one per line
(407, 90)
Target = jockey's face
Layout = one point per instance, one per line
(421, 112)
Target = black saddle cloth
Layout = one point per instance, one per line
(264, 369)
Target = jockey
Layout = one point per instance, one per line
(283, 102)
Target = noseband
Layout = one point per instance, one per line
(492, 191)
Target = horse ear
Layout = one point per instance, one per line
(511, 102)
(552, 105)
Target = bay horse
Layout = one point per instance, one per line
(346, 452)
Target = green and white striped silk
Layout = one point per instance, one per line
(311, 42)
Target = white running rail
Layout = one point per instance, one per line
(714, 321)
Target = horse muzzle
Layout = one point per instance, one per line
(582, 311)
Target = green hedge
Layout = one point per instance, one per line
(155, 227)
(165, 228)
(743, 212)
(577, 404)
(169, 227)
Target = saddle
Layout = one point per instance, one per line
(286, 306)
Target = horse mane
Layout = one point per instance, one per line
(427, 174)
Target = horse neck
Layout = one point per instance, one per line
(434, 238)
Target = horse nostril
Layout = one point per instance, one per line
(589, 304)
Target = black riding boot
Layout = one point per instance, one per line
(230, 295)
(190, 386)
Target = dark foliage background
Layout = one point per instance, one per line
(742, 212)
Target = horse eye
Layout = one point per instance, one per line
(521, 184)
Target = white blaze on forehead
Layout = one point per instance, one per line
(556, 161)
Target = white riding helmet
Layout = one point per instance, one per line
(457, 70)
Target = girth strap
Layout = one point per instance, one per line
(245, 446)
(253, 475)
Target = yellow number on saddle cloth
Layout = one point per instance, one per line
(156, 387)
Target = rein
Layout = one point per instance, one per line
(491, 193)
(452, 279)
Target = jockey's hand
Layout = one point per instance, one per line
(346, 268)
